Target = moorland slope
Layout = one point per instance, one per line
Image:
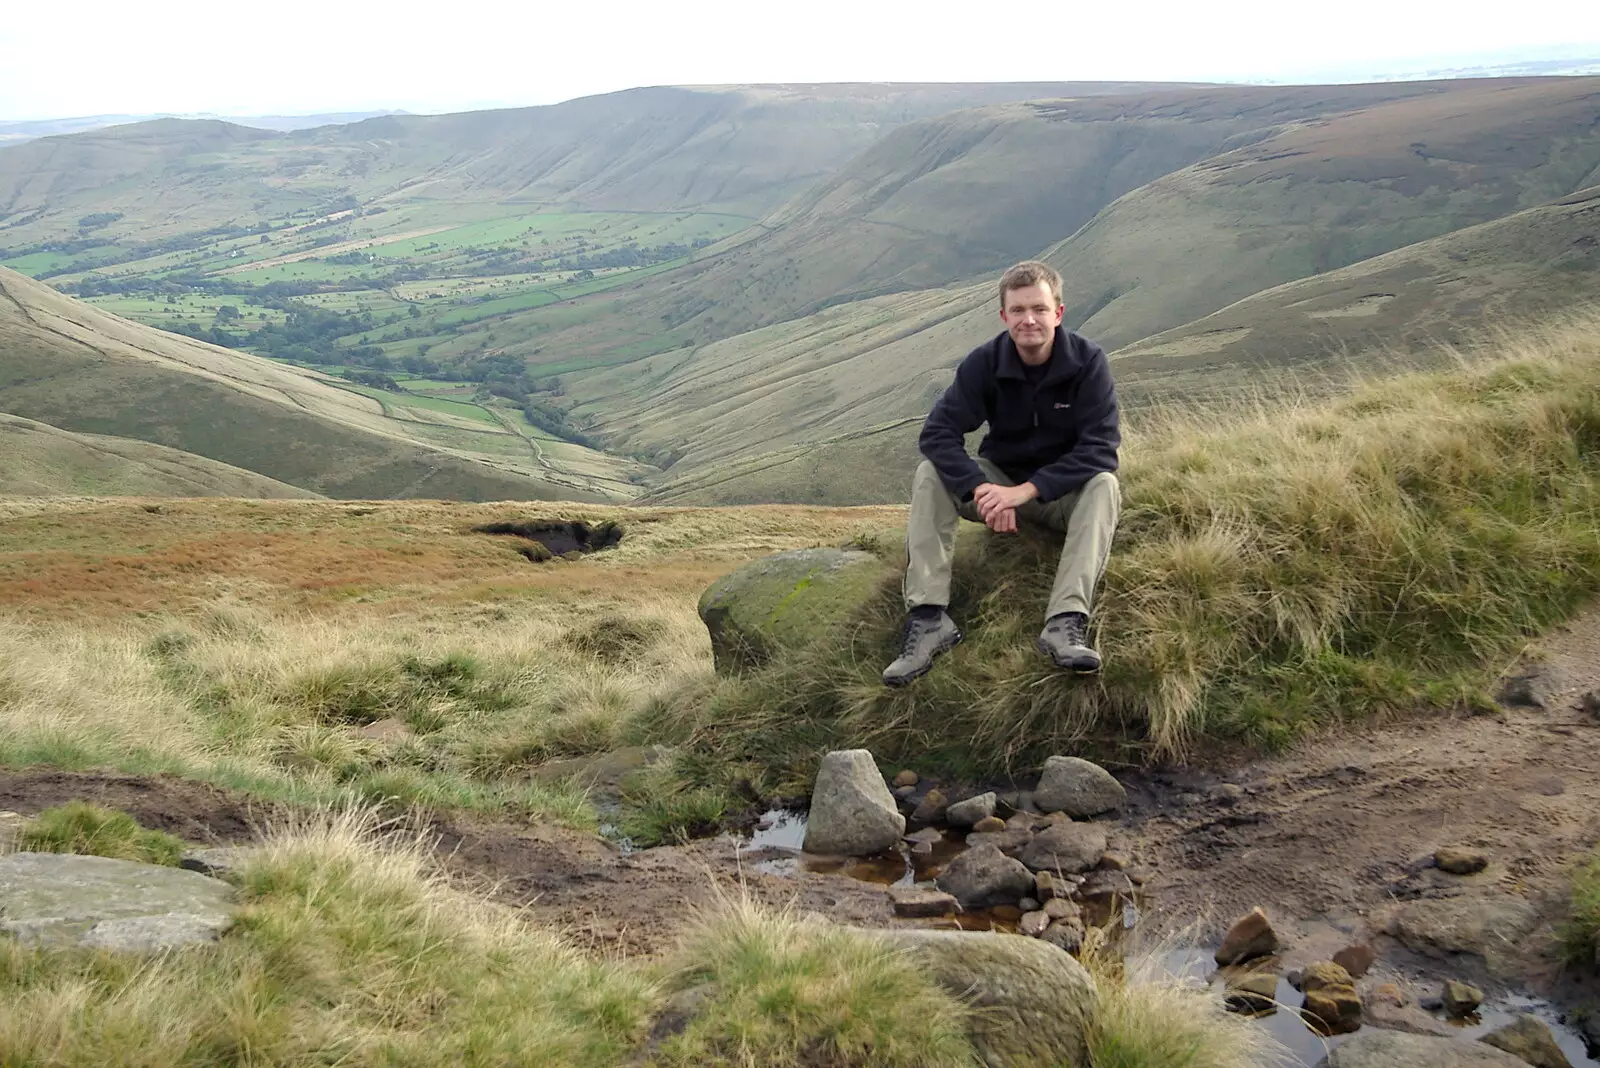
(43, 461)
(72, 366)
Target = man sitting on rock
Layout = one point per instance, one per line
(1048, 459)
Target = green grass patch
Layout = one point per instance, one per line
(1274, 571)
(1581, 934)
(782, 991)
(79, 827)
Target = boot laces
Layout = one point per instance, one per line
(915, 629)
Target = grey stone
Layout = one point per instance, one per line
(913, 902)
(1065, 847)
(1491, 927)
(784, 600)
(931, 808)
(64, 899)
(967, 813)
(1535, 686)
(143, 934)
(1010, 842)
(852, 812)
(1077, 787)
(214, 860)
(1393, 1049)
(1529, 1039)
(1031, 1004)
(1066, 935)
(985, 876)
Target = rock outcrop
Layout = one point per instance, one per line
(1529, 1040)
(1393, 1049)
(1032, 1002)
(852, 811)
(65, 899)
(787, 599)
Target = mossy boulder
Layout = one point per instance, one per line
(788, 599)
(1032, 1003)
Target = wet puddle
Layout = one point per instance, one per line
(775, 847)
(1309, 1047)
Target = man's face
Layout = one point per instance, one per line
(1031, 314)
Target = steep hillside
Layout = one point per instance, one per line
(39, 460)
(1452, 289)
(1325, 194)
(69, 365)
(936, 201)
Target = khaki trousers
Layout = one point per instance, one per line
(1088, 518)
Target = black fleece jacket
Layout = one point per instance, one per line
(1057, 434)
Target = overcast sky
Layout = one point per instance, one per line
(296, 56)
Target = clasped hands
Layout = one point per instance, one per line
(997, 505)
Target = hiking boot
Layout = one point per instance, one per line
(1065, 641)
(928, 632)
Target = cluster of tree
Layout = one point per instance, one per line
(374, 379)
(97, 219)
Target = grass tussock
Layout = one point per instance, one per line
(780, 990)
(79, 827)
(346, 951)
(1275, 569)
(1149, 1018)
(1581, 933)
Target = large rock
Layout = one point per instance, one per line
(984, 876)
(1065, 847)
(1077, 787)
(1251, 936)
(787, 599)
(1528, 1038)
(1491, 927)
(64, 899)
(1392, 1049)
(1032, 1002)
(852, 811)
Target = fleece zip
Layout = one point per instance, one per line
(1057, 433)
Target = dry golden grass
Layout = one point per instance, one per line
(247, 643)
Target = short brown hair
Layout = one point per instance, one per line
(1030, 273)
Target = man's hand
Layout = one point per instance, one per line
(997, 505)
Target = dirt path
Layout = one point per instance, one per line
(1334, 829)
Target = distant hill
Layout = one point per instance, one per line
(1325, 194)
(39, 460)
(935, 201)
(15, 132)
(738, 149)
(67, 364)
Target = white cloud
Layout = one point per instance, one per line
(98, 56)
